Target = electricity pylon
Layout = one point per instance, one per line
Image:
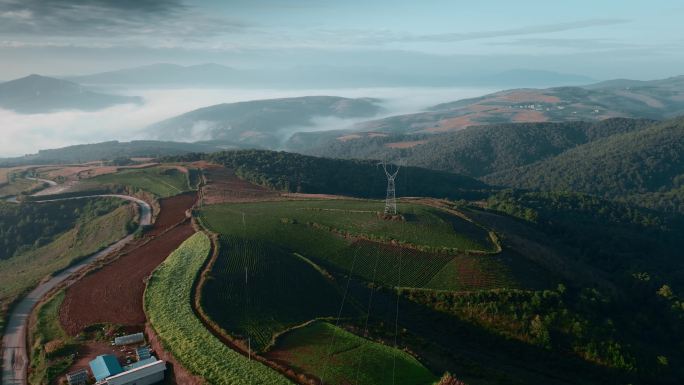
(391, 199)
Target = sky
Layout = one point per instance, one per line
(413, 45)
(599, 39)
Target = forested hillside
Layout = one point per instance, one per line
(482, 150)
(617, 238)
(27, 226)
(636, 165)
(307, 174)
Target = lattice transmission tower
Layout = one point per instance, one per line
(391, 199)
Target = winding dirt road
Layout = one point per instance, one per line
(14, 349)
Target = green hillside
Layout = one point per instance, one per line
(308, 174)
(55, 235)
(261, 123)
(643, 162)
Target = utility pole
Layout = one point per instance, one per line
(391, 199)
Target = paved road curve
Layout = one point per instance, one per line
(14, 350)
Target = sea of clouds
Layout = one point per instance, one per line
(28, 133)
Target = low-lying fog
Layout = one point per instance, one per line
(25, 134)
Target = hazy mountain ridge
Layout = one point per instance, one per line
(218, 75)
(109, 151)
(657, 99)
(39, 94)
(261, 123)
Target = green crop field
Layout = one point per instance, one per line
(168, 300)
(266, 290)
(282, 264)
(338, 357)
(21, 272)
(319, 231)
(160, 181)
(423, 226)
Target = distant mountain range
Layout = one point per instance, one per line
(261, 123)
(658, 99)
(111, 150)
(652, 100)
(164, 74)
(210, 74)
(39, 94)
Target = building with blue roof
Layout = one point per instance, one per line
(135, 365)
(105, 366)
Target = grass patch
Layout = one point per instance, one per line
(168, 301)
(52, 348)
(160, 181)
(350, 360)
(18, 186)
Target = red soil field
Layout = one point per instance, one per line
(172, 211)
(530, 116)
(224, 186)
(407, 144)
(114, 293)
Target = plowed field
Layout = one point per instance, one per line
(114, 293)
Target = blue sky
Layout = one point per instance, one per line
(599, 39)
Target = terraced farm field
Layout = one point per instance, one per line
(266, 290)
(282, 264)
(338, 357)
(349, 236)
(168, 300)
(160, 181)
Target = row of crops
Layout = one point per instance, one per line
(257, 289)
(168, 306)
(422, 226)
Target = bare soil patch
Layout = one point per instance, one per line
(172, 211)
(530, 116)
(114, 293)
(222, 185)
(407, 144)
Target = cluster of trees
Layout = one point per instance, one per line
(608, 330)
(27, 226)
(613, 236)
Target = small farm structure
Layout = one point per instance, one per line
(144, 372)
(129, 339)
(142, 353)
(79, 377)
(107, 371)
(105, 366)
